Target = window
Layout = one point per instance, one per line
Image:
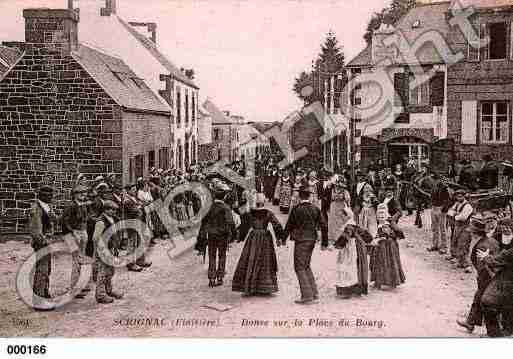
(178, 107)
(138, 166)
(474, 40)
(164, 158)
(419, 95)
(217, 134)
(131, 169)
(356, 99)
(193, 108)
(355, 72)
(494, 122)
(151, 159)
(497, 48)
(186, 108)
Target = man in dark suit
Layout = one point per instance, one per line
(42, 221)
(325, 191)
(304, 221)
(216, 232)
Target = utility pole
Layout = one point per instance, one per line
(352, 131)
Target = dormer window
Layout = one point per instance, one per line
(416, 24)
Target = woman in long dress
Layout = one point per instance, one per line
(313, 182)
(337, 215)
(257, 267)
(298, 181)
(367, 217)
(284, 189)
(352, 263)
(386, 267)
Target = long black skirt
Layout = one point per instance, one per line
(257, 267)
(385, 265)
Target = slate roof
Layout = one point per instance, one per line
(364, 58)
(430, 16)
(218, 117)
(118, 80)
(157, 54)
(263, 127)
(8, 57)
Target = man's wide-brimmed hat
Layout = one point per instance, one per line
(506, 222)
(46, 189)
(305, 189)
(80, 189)
(477, 224)
(460, 192)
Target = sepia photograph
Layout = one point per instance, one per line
(255, 169)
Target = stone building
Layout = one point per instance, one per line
(417, 118)
(224, 133)
(65, 108)
(136, 42)
(480, 88)
(463, 111)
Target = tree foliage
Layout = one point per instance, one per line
(330, 60)
(389, 15)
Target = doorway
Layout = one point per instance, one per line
(402, 152)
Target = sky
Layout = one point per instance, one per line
(245, 54)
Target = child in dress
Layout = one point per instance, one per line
(386, 267)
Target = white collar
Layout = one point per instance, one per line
(305, 201)
(45, 206)
(109, 218)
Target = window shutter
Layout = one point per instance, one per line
(402, 89)
(473, 53)
(485, 47)
(469, 122)
(511, 39)
(403, 117)
(437, 84)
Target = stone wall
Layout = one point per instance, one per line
(143, 133)
(55, 121)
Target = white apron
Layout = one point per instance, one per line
(347, 265)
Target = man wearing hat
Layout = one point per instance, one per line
(104, 291)
(216, 232)
(74, 221)
(460, 239)
(497, 298)
(304, 221)
(480, 241)
(42, 220)
(326, 194)
(467, 176)
(440, 202)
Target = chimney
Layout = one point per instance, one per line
(109, 9)
(52, 27)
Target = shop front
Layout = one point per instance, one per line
(399, 145)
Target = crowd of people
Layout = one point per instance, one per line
(361, 226)
(95, 207)
(360, 219)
